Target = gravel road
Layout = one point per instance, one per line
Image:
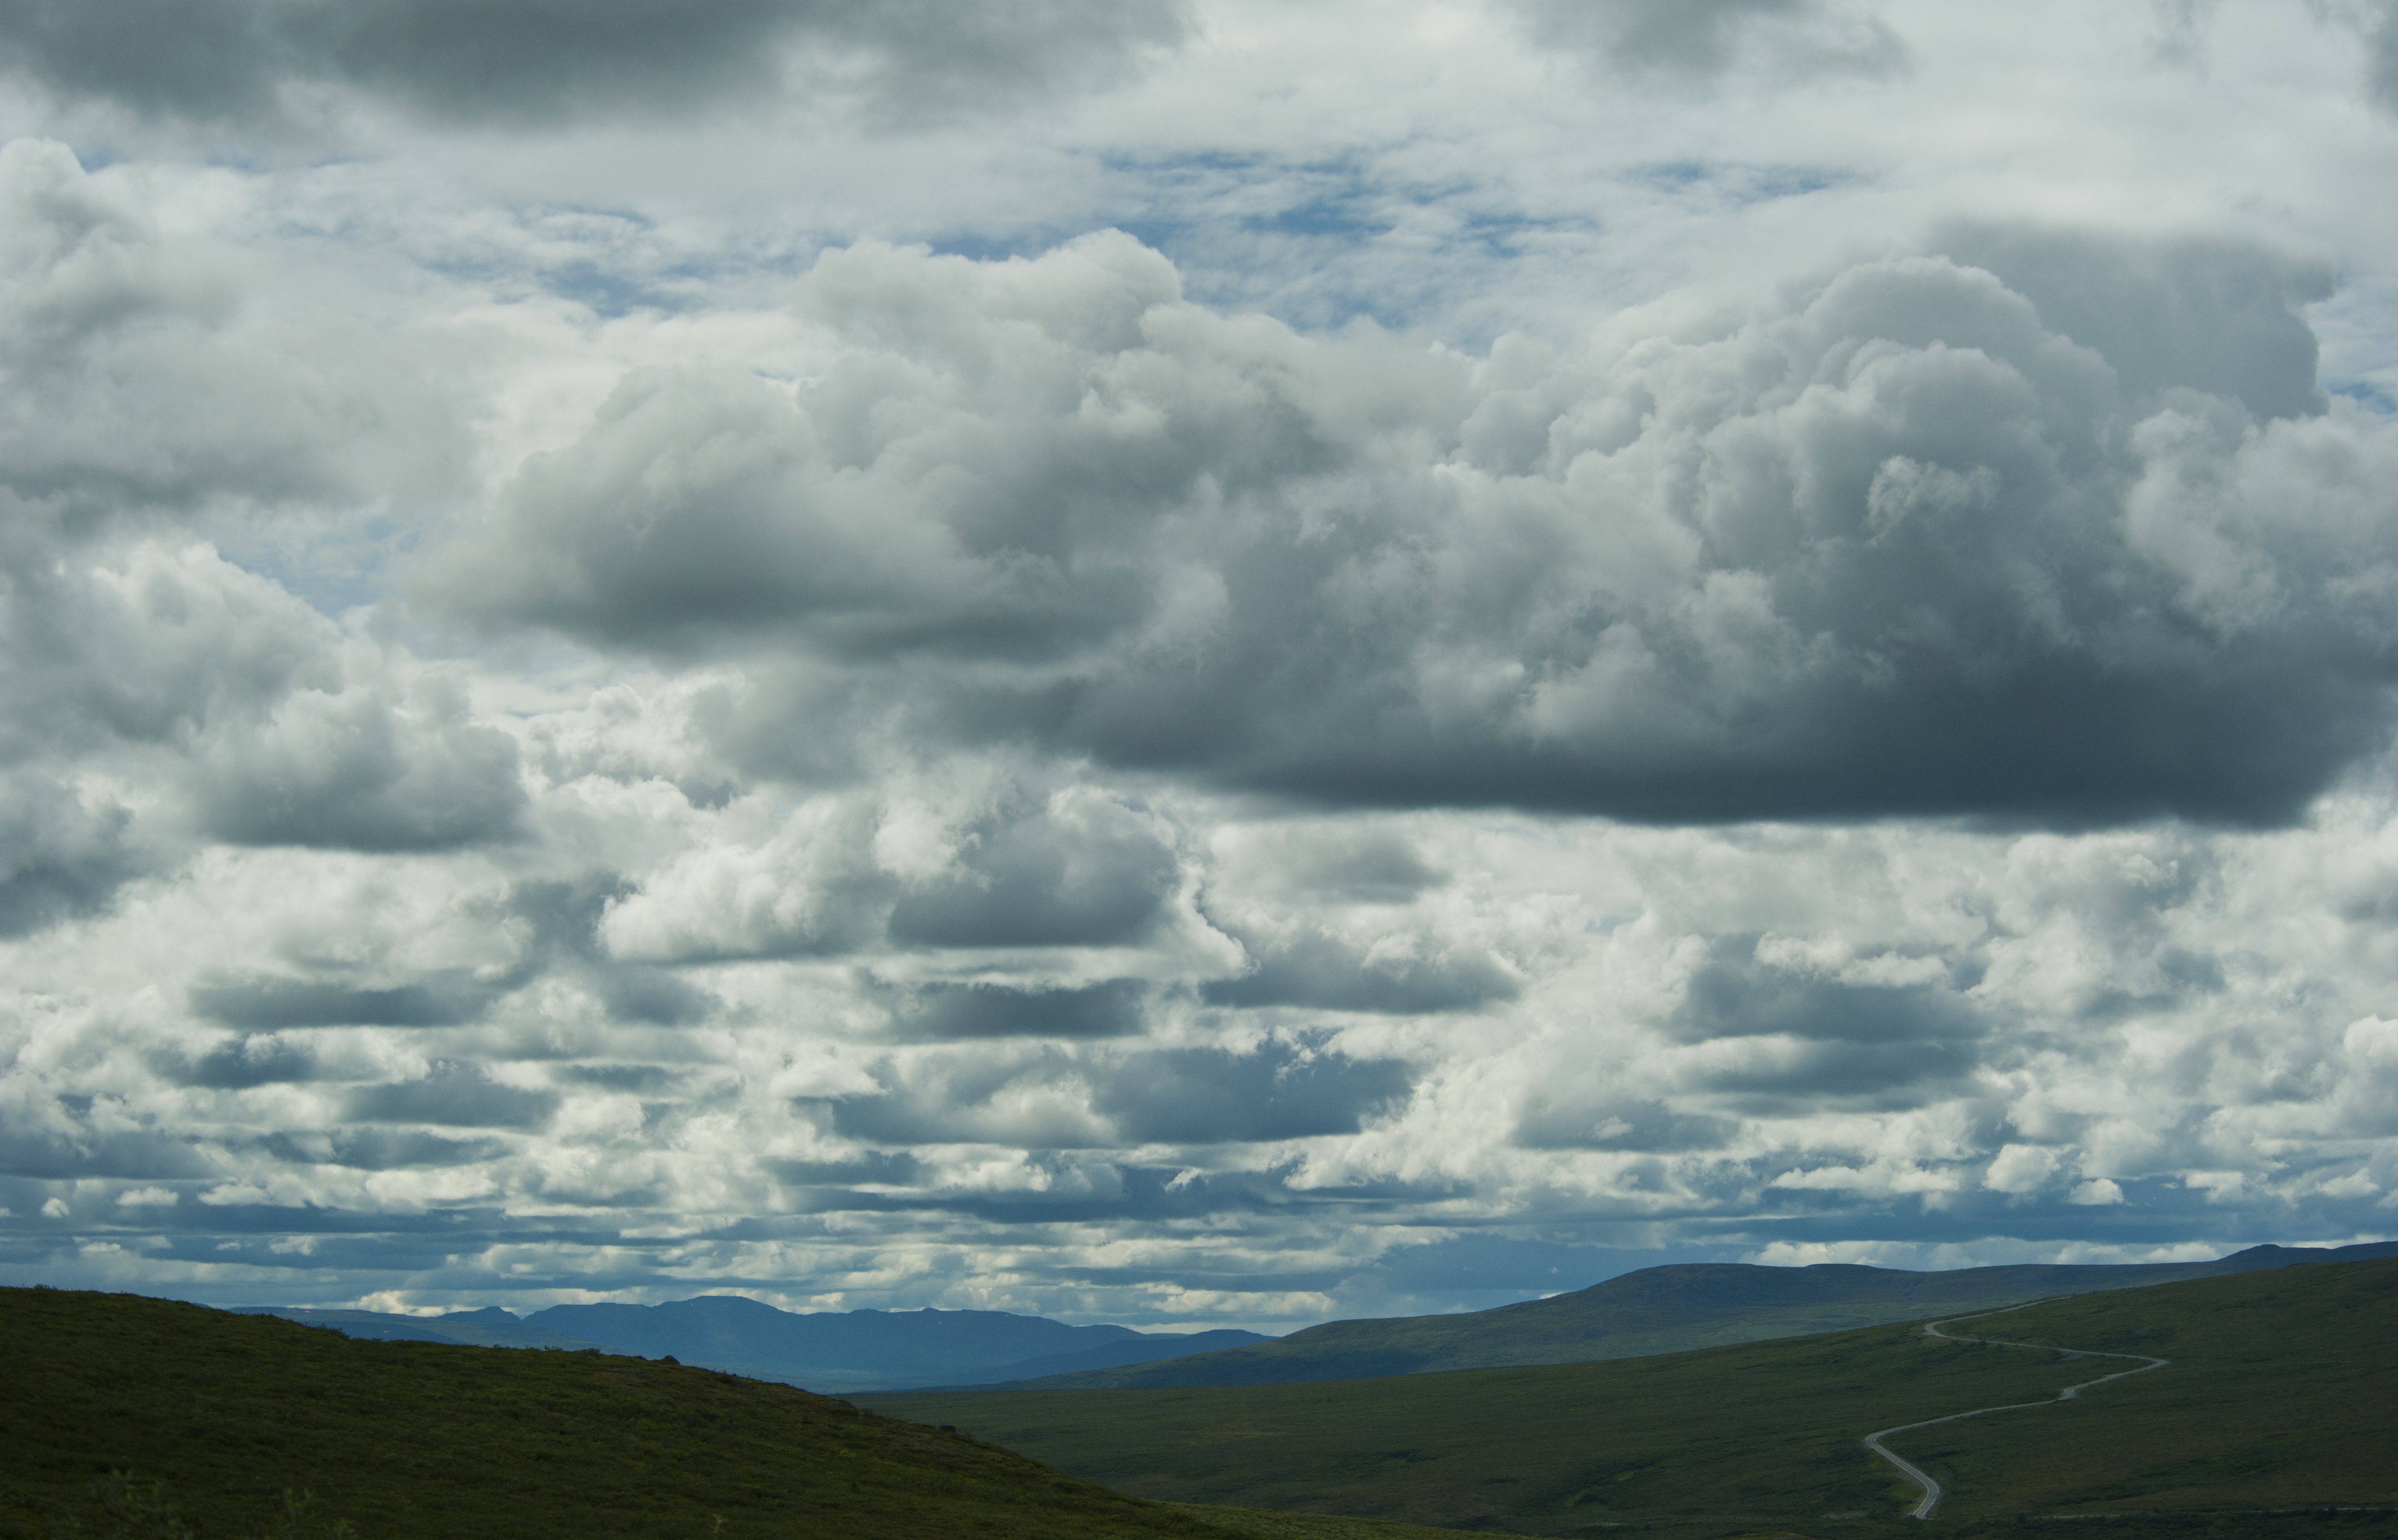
(1933, 1328)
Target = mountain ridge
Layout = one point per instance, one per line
(829, 1351)
(2271, 1419)
(126, 1416)
(1651, 1311)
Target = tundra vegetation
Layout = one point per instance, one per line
(1655, 1310)
(144, 1419)
(2282, 1394)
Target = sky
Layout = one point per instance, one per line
(1193, 663)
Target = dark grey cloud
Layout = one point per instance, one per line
(1097, 876)
(69, 1145)
(1032, 1098)
(61, 857)
(1736, 994)
(361, 771)
(452, 1095)
(654, 995)
(1704, 37)
(1309, 965)
(143, 645)
(2182, 26)
(2215, 316)
(1061, 1099)
(146, 378)
(1278, 1090)
(1076, 869)
(125, 642)
(1316, 864)
(539, 62)
(2376, 23)
(382, 1149)
(249, 1059)
(1772, 1079)
(888, 1168)
(563, 919)
(1557, 1119)
(646, 1078)
(1903, 546)
(268, 1004)
(1782, 1040)
(1113, 1008)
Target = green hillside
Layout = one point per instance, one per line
(224, 1413)
(1656, 1310)
(2283, 1390)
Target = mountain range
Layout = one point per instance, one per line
(831, 1352)
(2267, 1416)
(1669, 1309)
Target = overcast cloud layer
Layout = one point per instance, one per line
(1213, 663)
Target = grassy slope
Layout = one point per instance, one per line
(425, 1439)
(2281, 1391)
(2284, 1389)
(1656, 1310)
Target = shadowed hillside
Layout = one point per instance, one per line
(1658, 1310)
(408, 1440)
(2281, 1392)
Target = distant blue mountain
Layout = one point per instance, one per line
(1114, 1355)
(716, 1329)
(1668, 1309)
(1656, 1310)
(827, 1351)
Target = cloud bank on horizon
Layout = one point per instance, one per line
(1207, 662)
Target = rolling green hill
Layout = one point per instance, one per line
(1655, 1310)
(2283, 1390)
(410, 1441)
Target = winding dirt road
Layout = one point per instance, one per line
(1933, 1328)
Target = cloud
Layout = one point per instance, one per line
(1052, 1098)
(2375, 25)
(1554, 1119)
(147, 371)
(1085, 871)
(359, 769)
(271, 1003)
(2381, 67)
(1878, 550)
(2022, 1169)
(2214, 316)
(811, 887)
(1318, 865)
(385, 1149)
(1280, 1091)
(1077, 868)
(239, 1063)
(577, 728)
(1742, 990)
(242, 713)
(539, 63)
(946, 1011)
(1307, 965)
(150, 388)
(61, 857)
(1705, 37)
(2182, 26)
(453, 1095)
